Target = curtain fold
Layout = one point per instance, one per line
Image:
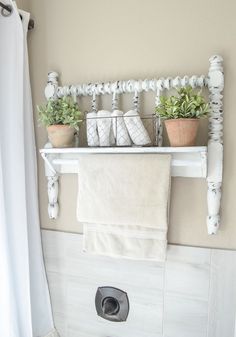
(25, 309)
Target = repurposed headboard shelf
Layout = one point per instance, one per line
(196, 162)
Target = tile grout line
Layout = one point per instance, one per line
(209, 294)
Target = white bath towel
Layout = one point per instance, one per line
(136, 129)
(125, 242)
(119, 129)
(92, 132)
(123, 204)
(105, 131)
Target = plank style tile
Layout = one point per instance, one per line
(75, 276)
(192, 295)
(57, 288)
(145, 316)
(60, 324)
(186, 292)
(222, 302)
(188, 271)
(184, 317)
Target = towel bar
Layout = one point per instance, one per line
(186, 161)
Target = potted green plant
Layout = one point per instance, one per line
(182, 114)
(62, 117)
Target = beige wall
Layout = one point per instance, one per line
(23, 4)
(107, 40)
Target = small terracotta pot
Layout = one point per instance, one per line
(61, 135)
(182, 131)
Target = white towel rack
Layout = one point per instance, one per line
(205, 162)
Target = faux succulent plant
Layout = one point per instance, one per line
(62, 111)
(188, 104)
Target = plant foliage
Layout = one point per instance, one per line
(62, 111)
(187, 104)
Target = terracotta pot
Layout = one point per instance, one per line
(182, 131)
(61, 135)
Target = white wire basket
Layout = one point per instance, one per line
(111, 131)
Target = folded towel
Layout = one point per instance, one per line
(123, 203)
(123, 242)
(105, 131)
(92, 132)
(136, 129)
(119, 129)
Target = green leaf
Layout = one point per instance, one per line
(60, 111)
(187, 104)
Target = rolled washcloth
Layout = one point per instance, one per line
(136, 129)
(123, 204)
(105, 131)
(92, 132)
(119, 129)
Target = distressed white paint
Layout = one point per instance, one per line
(53, 207)
(159, 125)
(186, 161)
(120, 87)
(192, 295)
(51, 88)
(52, 187)
(180, 167)
(215, 143)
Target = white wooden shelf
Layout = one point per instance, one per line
(186, 161)
(196, 162)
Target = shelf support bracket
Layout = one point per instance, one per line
(215, 143)
(52, 186)
(51, 174)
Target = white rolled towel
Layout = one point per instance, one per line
(119, 129)
(92, 132)
(105, 131)
(136, 129)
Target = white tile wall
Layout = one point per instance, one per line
(222, 294)
(192, 295)
(186, 291)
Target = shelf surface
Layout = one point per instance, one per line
(133, 149)
(186, 161)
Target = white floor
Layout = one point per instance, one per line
(192, 295)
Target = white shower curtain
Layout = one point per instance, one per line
(25, 309)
